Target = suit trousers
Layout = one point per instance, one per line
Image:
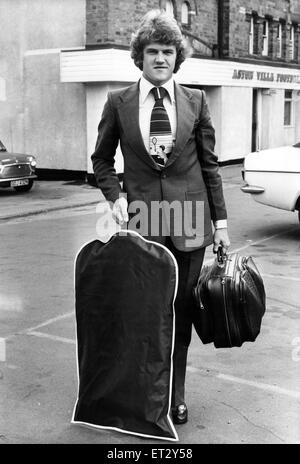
(189, 266)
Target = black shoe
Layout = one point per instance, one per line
(180, 414)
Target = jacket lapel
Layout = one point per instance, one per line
(185, 110)
(129, 116)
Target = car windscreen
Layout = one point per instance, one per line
(2, 147)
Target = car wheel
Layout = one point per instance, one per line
(24, 188)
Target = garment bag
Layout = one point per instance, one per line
(124, 298)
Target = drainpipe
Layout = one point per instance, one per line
(220, 28)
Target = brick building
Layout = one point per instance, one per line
(56, 71)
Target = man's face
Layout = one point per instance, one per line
(158, 63)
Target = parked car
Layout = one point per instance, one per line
(16, 170)
(273, 177)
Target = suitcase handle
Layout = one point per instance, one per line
(221, 256)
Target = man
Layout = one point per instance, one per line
(167, 141)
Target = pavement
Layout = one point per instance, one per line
(48, 195)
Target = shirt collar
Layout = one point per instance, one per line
(146, 86)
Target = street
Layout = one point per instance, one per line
(238, 395)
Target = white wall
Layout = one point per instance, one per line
(275, 120)
(54, 115)
(273, 132)
(290, 132)
(96, 95)
(39, 114)
(236, 116)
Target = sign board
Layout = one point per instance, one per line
(114, 65)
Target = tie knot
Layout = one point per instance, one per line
(159, 92)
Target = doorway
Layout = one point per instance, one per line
(254, 142)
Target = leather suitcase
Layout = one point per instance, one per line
(230, 301)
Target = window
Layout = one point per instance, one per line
(254, 28)
(265, 49)
(279, 40)
(185, 14)
(251, 33)
(288, 107)
(291, 43)
(169, 8)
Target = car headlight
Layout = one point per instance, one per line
(32, 160)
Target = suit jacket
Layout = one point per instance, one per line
(189, 176)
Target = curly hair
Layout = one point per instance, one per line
(158, 27)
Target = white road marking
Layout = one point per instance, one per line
(262, 386)
(252, 383)
(265, 239)
(52, 337)
(43, 324)
(49, 321)
(257, 242)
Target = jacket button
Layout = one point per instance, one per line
(163, 176)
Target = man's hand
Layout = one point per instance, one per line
(119, 210)
(221, 239)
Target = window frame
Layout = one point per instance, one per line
(265, 48)
(279, 40)
(292, 42)
(251, 36)
(187, 12)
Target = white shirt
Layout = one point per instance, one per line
(146, 103)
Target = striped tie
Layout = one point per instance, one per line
(160, 129)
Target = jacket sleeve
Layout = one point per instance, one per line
(103, 158)
(205, 140)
